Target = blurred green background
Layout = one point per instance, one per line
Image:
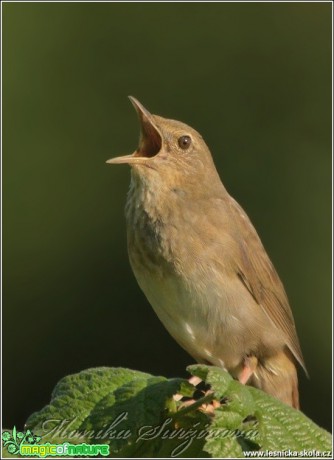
(253, 78)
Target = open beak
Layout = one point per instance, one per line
(150, 138)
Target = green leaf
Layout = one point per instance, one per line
(136, 415)
(281, 427)
(273, 426)
(143, 401)
(120, 407)
(73, 400)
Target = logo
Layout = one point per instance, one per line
(27, 444)
(12, 441)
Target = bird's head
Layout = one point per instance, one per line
(169, 151)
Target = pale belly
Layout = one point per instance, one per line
(216, 324)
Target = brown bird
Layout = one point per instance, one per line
(201, 264)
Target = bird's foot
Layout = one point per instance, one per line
(249, 366)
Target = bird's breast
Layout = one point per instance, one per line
(181, 267)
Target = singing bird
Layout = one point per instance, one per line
(201, 264)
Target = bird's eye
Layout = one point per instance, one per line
(184, 142)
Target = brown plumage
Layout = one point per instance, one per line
(201, 264)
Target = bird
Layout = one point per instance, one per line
(201, 264)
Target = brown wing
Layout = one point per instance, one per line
(259, 276)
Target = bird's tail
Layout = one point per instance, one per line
(278, 377)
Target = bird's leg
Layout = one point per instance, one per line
(249, 366)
